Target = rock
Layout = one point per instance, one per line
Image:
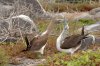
(8, 39)
(8, 6)
(28, 62)
(4, 26)
(5, 10)
(94, 11)
(92, 28)
(97, 16)
(14, 26)
(24, 23)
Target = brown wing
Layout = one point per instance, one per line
(36, 44)
(72, 41)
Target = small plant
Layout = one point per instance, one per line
(85, 58)
(86, 21)
(3, 58)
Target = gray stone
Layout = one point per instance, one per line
(4, 26)
(92, 28)
(94, 11)
(5, 10)
(29, 62)
(8, 39)
(14, 26)
(24, 23)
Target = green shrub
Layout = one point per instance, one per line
(86, 21)
(85, 58)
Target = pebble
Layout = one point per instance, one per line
(29, 62)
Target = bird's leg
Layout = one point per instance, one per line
(27, 43)
(75, 49)
(71, 53)
(83, 45)
(28, 47)
(42, 51)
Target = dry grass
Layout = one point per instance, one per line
(68, 7)
(50, 51)
(3, 57)
(15, 50)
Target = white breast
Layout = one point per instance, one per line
(71, 50)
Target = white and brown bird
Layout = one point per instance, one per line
(38, 43)
(69, 44)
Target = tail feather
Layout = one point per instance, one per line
(82, 31)
(27, 43)
(26, 40)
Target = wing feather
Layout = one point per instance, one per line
(72, 41)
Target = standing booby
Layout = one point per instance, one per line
(69, 44)
(38, 43)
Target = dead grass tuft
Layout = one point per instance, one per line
(68, 7)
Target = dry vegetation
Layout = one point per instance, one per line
(51, 54)
(55, 58)
(67, 7)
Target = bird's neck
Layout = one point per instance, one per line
(63, 35)
(60, 39)
(49, 29)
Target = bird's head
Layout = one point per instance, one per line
(66, 27)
